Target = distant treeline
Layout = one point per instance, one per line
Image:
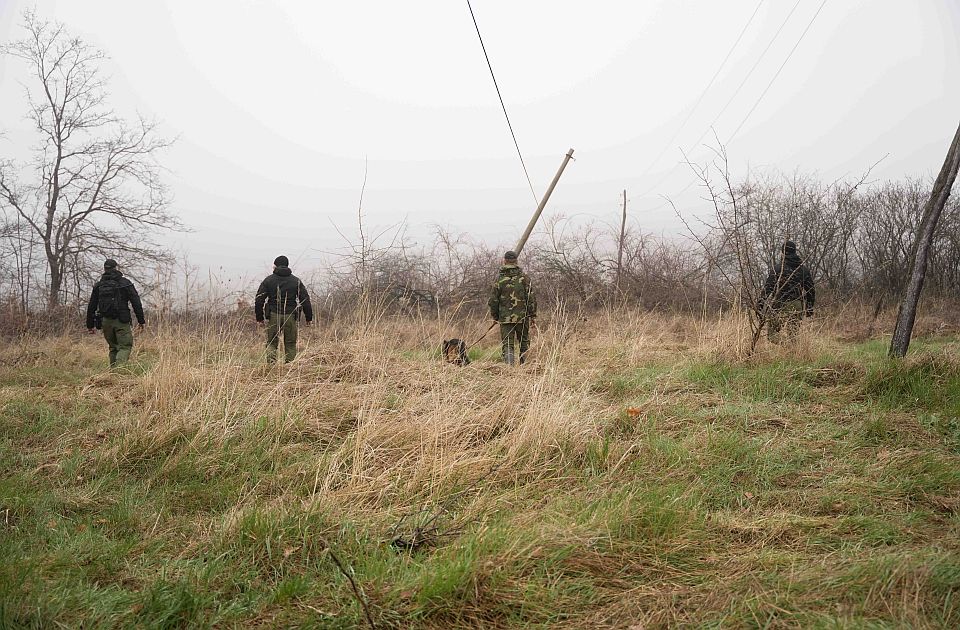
(856, 238)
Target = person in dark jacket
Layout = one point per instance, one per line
(514, 306)
(109, 310)
(788, 295)
(280, 299)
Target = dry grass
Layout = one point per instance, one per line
(809, 485)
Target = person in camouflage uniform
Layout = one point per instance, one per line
(280, 298)
(109, 310)
(513, 305)
(788, 295)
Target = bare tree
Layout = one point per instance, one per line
(93, 185)
(922, 245)
(731, 249)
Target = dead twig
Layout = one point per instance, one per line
(428, 532)
(353, 585)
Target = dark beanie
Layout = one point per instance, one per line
(510, 256)
(281, 261)
(789, 247)
(109, 263)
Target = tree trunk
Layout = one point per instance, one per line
(921, 249)
(620, 243)
(56, 276)
(56, 283)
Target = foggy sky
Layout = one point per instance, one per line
(276, 106)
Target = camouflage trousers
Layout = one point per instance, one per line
(512, 336)
(119, 336)
(286, 325)
(783, 322)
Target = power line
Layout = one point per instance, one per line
(749, 74)
(505, 114)
(780, 69)
(723, 63)
(765, 90)
(736, 92)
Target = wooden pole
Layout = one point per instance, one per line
(907, 314)
(543, 204)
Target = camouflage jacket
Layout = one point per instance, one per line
(511, 299)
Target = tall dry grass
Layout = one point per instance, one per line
(386, 417)
(665, 513)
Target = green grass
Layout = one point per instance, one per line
(777, 493)
(928, 382)
(772, 382)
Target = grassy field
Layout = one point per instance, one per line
(637, 474)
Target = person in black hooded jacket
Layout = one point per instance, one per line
(788, 295)
(109, 310)
(280, 299)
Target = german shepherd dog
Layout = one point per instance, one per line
(455, 352)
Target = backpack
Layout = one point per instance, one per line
(110, 300)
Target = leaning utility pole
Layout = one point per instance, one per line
(921, 249)
(620, 243)
(543, 203)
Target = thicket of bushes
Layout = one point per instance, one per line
(855, 236)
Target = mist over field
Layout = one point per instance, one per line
(276, 109)
(276, 351)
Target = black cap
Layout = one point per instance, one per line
(281, 261)
(109, 263)
(510, 256)
(789, 247)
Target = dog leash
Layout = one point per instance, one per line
(483, 335)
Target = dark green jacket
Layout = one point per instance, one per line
(282, 292)
(790, 280)
(125, 296)
(511, 299)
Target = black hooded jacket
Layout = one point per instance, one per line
(127, 296)
(789, 280)
(282, 292)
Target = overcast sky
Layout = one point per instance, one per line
(277, 104)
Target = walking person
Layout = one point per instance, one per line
(109, 310)
(788, 295)
(280, 299)
(514, 306)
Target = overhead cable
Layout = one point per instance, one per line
(500, 96)
(736, 92)
(720, 68)
(779, 70)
